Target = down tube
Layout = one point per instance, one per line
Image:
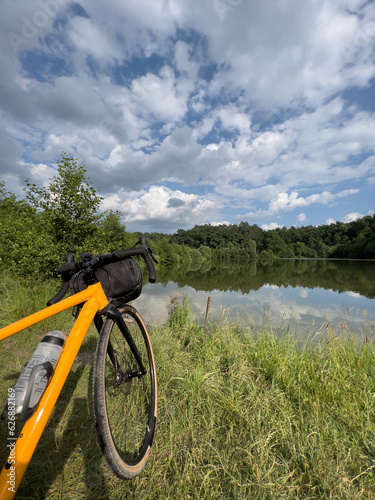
(21, 451)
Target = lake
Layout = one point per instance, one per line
(306, 294)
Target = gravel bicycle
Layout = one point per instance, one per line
(124, 375)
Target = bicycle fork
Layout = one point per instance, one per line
(116, 316)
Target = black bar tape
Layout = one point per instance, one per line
(151, 268)
(60, 294)
(70, 267)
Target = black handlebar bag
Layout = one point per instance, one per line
(121, 281)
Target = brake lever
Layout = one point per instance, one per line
(93, 263)
(85, 256)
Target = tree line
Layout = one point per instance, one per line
(353, 240)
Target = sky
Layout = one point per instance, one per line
(196, 111)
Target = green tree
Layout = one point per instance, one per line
(196, 259)
(275, 243)
(205, 252)
(26, 248)
(69, 203)
(167, 253)
(111, 234)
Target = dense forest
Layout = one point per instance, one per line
(36, 233)
(353, 240)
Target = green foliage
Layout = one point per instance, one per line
(196, 259)
(216, 237)
(266, 254)
(110, 234)
(205, 252)
(180, 315)
(361, 242)
(238, 242)
(167, 253)
(70, 204)
(182, 257)
(26, 247)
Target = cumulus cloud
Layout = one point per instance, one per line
(71, 99)
(289, 202)
(160, 95)
(162, 206)
(301, 218)
(273, 225)
(91, 39)
(221, 223)
(352, 217)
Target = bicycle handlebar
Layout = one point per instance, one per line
(70, 267)
(60, 294)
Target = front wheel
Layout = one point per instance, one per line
(125, 399)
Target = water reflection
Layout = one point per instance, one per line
(306, 294)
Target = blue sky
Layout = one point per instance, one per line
(195, 112)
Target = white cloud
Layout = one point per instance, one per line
(269, 227)
(231, 119)
(352, 217)
(309, 63)
(42, 172)
(354, 295)
(221, 223)
(285, 202)
(184, 61)
(25, 22)
(159, 204)
(91, 39)
(72, 99)
(159, 95)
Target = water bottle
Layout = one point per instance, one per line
(48, 350)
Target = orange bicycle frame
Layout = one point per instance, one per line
(22, 449)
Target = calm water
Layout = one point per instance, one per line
(306, 294)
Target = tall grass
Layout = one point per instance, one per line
(243, 414)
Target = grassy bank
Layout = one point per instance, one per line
(243, 414)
